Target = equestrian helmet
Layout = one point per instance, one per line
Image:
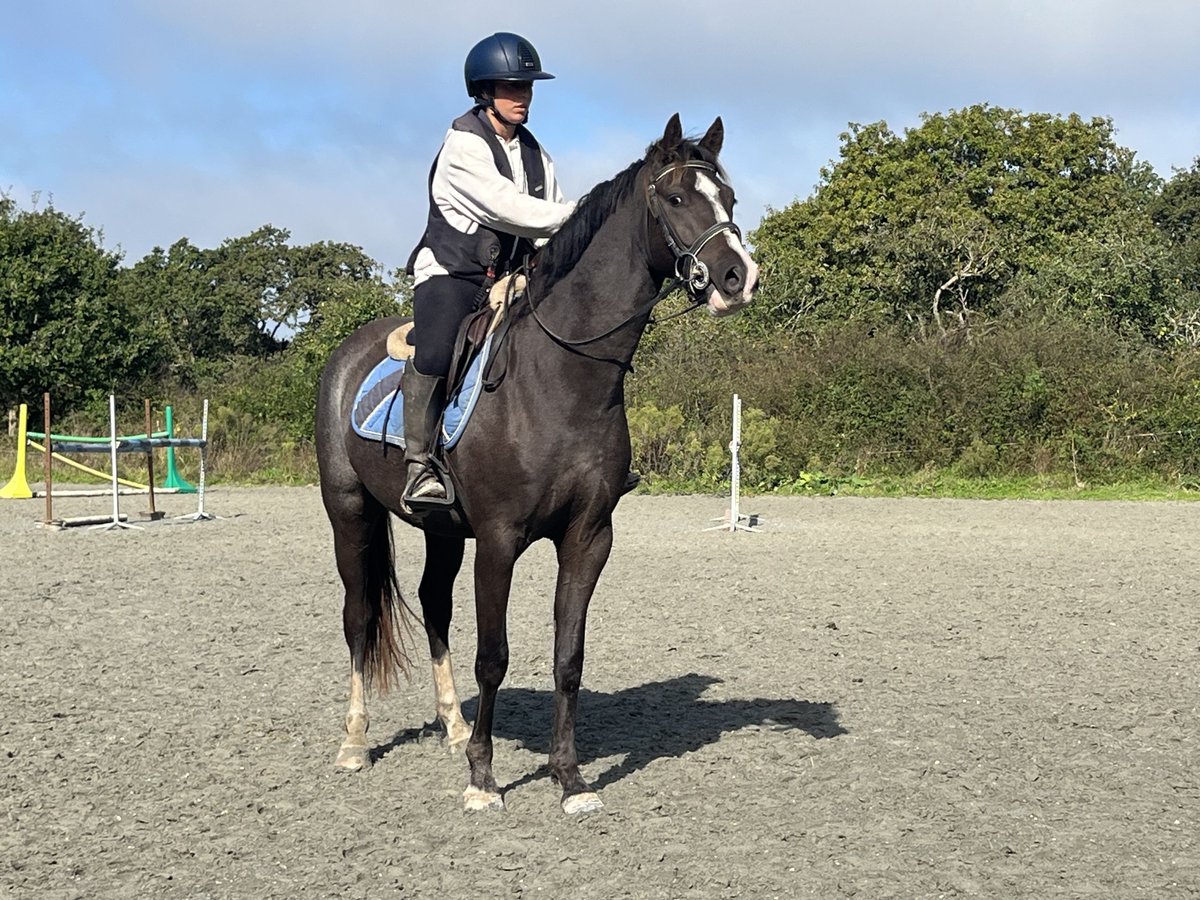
(502, 57)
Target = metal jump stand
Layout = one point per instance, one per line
(736, 520)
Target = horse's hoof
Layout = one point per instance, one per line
(353, 758)
(577, 804)
(476, 800)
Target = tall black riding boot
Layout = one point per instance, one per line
(423, 398)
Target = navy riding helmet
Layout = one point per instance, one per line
(502, 57)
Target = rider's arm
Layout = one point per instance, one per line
(467, 185)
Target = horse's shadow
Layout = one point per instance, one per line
(660, 720)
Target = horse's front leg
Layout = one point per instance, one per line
(582, 554)
(494, 560)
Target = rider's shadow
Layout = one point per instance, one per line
(659, 720)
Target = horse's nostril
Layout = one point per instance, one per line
(734, 279)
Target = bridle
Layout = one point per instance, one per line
(690, 271)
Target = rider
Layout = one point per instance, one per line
(492, 193)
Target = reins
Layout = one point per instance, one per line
(667, 288)
(690, 272)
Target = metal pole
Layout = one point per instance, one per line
(46, 462)
(736, 476)
(735, 521)
(112, 452)
(200, 513)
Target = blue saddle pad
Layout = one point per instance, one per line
(378, 411)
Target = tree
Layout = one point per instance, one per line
(61, 326)
(247, 297)
(284, 285)
(318, 273)
(284, 389)
(935, 227)
(1176, 212)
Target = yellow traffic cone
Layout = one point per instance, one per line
(17, 487)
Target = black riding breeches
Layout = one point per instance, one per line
(439, 306)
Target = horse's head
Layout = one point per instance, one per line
(692, 204)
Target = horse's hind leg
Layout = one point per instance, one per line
(362, 545)
(443, 558)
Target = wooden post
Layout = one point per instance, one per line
(46, 460)
(153, 513)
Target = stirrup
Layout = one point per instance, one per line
(426, 484)
(433, 474)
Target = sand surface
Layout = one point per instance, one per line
(873, 698)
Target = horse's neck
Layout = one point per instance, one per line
(609, 286)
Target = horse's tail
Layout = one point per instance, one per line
(389, 632)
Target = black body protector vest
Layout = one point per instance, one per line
(470, 255)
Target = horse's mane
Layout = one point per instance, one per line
(563, 250)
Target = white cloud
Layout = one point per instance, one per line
(207, 120)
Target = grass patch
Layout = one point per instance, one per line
(945, 485)
(295, 465)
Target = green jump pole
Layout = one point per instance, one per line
(173, 479)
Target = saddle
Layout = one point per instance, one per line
(477, 326)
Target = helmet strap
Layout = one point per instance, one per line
(492, 106)
(486, 100)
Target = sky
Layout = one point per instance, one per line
(155, 120)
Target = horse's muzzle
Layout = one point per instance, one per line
(735, 290)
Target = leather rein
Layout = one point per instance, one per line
(690, 272)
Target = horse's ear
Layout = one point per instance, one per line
(673, 136)
(714, 137)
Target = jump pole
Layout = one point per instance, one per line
(736, 520)
(116, 496)
(114, 444)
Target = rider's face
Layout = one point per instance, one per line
(513, 99)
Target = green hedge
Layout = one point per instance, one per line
(1020, 400)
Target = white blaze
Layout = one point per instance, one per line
(718, 304)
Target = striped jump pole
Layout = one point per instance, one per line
(200, 515)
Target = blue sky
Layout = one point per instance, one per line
(157, 119)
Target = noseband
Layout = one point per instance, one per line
(689, 269)
(690, 272)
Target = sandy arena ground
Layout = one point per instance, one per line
(872, 698)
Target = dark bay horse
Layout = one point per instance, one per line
(546, 454)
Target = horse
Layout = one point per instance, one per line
(546, 454)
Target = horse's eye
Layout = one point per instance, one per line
(675, 200)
